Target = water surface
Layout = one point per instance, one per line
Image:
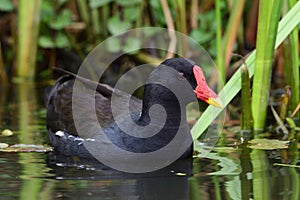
(231, 172)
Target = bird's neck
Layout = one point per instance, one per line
(171, 111)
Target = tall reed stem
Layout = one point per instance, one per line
(268, 18)
(220, 50)
(291, 64)
(3, 75)
(246, 121)
(28, 28)
(232, 29)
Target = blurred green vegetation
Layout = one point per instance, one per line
(77, 26)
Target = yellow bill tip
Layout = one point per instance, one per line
(215, 102)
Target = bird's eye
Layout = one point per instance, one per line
(181, 76)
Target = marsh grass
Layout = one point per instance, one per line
(233, 86)
(291, 63)
(246, 118)
(268, 18)
(28, 26)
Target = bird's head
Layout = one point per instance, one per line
(189, 71)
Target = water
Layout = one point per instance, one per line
(233, 172)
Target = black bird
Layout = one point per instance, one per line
(173, 84)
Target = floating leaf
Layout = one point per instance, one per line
(27, 148)
(3, 145)
(6, 132)
(268, 144)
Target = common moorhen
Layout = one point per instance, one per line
(65, 137)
